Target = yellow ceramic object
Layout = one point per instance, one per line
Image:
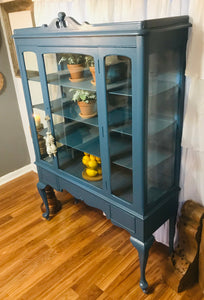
(91, 172)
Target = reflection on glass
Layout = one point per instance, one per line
(72, 92)
(119, 106)
(37, 102)
(162, 121)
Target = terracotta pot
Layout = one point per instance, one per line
(88, 110)
(92, 70)
(76, 71)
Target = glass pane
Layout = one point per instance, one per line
(72, 92)
(119, 107)
(37, 102)
(162, 121)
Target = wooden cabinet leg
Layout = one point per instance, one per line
(143, 251)
(50, 205)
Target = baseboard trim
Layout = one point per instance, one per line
(17, 173)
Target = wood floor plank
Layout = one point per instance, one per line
(78, 254)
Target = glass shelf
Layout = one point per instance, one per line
(86, 139)
(157, 87)
(155, 157)
(69, 109)
(61, 78)
(124, 129)
(122, 92)
(78, 136)
(155, 125)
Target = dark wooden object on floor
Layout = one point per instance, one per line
(53, 203)
(201, 260)
(181, 269)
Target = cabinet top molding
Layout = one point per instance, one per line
(63, 26)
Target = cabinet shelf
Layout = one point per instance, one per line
(155, 157)
(86, 139)
(157, 87)
(66, 108)
(124, 129)
(79, 137)
(155, 126)
(70, 110)
(61, 78)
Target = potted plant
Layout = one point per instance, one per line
(86, 101)
(75, 65)
(90, 63)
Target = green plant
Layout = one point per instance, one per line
(83, 95)
(89, 61)
(72, 59)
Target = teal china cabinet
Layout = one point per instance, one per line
(123, 155)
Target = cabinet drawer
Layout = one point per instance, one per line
(123, 219)
(48, 178)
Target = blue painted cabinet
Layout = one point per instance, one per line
(123, 155)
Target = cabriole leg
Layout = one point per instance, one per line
(143, 251)
(41, 189)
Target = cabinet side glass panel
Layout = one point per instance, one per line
(119, 107)
(38, 108)
(163, 95)
(72, 93)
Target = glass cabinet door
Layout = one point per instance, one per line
(38, 107)
(119, 107)
(73, 100)
(163, 103)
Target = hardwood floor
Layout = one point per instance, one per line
(78, 254)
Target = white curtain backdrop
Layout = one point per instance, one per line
(97, 11)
